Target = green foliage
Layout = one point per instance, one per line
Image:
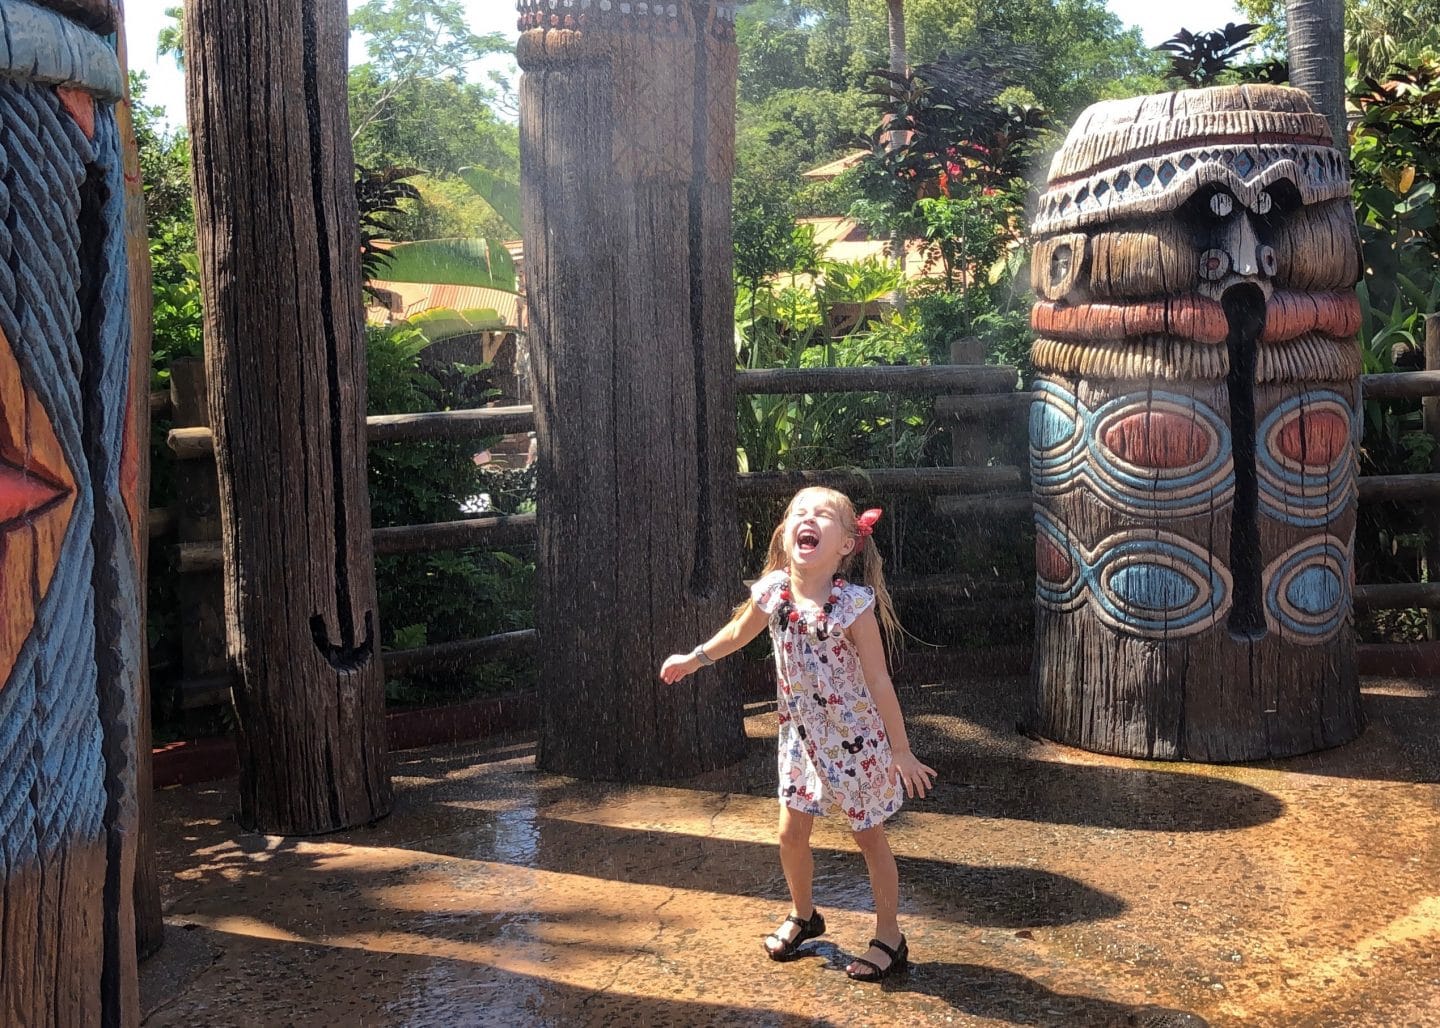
(1396, 155)
(858, 281)
(804, 66)
(459, 262)
(1378, 33)
(170, 223)
(171, 40)
(429, 598)
(1199, 59)
(502, 194)
(1396, 168)
(413, 103)
(379, 193)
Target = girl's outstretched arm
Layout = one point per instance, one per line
(746, 625)
(913, 775)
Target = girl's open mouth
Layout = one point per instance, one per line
(806, 540)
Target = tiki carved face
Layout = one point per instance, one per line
(1194, 261)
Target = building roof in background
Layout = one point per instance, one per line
(826, 172)
(843, 239)
(417, 297)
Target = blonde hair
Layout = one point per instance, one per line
(872, 566)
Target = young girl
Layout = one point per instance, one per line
(842, 738)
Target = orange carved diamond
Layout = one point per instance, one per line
(37, 495)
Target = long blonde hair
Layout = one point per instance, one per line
(872, 566)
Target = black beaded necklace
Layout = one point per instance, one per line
(792, 620)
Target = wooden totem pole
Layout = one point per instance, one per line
(1193, 437)
(279, 245)
(71, 523)
(627, 136)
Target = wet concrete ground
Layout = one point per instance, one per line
(1042, 886)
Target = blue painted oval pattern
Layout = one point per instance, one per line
(1147, 583)
(1153, 587)
(1071, 446)
(1307, 590)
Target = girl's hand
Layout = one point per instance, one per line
(915, 776)
(678, 666)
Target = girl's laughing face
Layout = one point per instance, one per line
(815, 537)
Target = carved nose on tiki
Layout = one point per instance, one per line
(1241, 243)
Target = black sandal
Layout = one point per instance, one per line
(809, 929)
(899, 960)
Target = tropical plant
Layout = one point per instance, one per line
(379, 193)
(427, 598)
(464, 262)
(1199, 59)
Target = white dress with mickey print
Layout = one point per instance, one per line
(834, 754)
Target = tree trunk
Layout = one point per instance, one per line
(1194, 430)
(627, 149)
(285, 357)
(70, 511)
(1315, 31)
(899, 59)
(149, 924)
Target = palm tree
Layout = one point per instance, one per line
(1315, 30)
(899, 60)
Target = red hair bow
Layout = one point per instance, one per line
(865, 525)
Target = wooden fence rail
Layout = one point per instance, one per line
(475, 533)
(870, 482)
(965, 393)
(929, 378)
(198, 443)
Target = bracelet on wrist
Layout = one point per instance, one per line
(699, 654)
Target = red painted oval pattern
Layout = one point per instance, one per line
(1052, 563)
(1316, 439)
(1158, 439)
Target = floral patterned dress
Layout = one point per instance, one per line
(834, 754)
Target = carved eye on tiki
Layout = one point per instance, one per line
(1057, 265)
(1222, 205)
(1214, 265)
(1060, 264)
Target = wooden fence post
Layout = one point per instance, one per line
(71, 518)
(201, 594)
(278, 233)
(627, 134)
(1431, 408)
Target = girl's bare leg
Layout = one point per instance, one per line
(885, 884)
(798, 863)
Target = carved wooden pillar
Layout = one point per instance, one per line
(279, 243)
(1193, 438)
(627, 146)
(71, 514)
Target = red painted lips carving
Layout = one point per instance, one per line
(37, 494)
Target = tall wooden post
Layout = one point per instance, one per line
(1193, 440)
(71, 514)
(627, 150)
(285, 359)
(149, 923)
(1430, 412)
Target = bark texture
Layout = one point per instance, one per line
(899, 59)
(285, 361)
(627, 149)
(1315, 33)
(1193, 431)
(149, 923)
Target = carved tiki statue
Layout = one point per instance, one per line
(71, 387)
(1194, 429)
